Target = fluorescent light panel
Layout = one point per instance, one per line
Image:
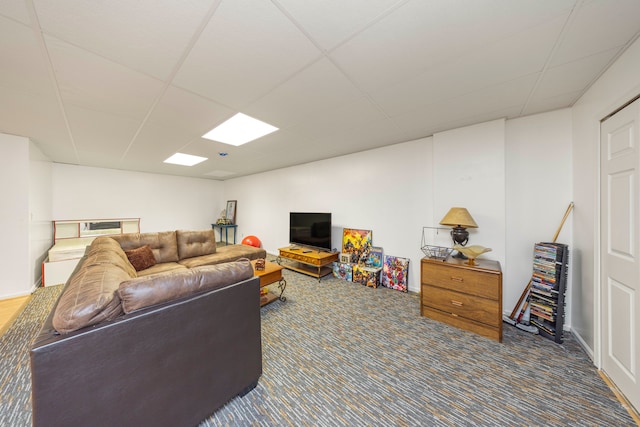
(239, 130)
(185, 159)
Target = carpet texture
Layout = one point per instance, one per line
(340, 354)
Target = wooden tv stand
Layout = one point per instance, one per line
(312, 262)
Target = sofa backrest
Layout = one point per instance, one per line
(90, 295)
(163, 244)
(146, 291)
(195, 243)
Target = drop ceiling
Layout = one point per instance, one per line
(124, 85)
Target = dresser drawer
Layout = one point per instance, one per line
(464, 305)
(474, 282)
(489, 331)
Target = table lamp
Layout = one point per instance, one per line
(460, 219)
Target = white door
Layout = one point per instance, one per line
(620, 269)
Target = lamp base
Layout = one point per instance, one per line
(460, 236)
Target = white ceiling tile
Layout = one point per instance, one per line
(58, 151)
(573, 76)
(99, 159)
(356, 113)
(467, 109)
(282, 141)
(19, 48)
(540, 105)
(317, 88)
(337, 77)
(359, 137)
(100, 132)
(145, 35)
(212, 149)
(587, 35)
(218, 173)
(248, 48)
(92, 82)
(16, 10)
(489, 65)
(294, 156)
(331, 21)
(157, 141)
(422, 34)
(187, 110)
(161, 168)
(36, 116)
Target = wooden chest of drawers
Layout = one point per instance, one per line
(464, 296)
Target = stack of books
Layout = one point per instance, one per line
(548, 283)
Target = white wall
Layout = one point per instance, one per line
(15, 279)
(469, 172)
(397, 190)
(41, 191)
(162, 202)
(40, 206)
(618, 85)
(387, 190)
(25, 218)
(538, 192)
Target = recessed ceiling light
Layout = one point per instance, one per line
(185, 159)
(239, 130)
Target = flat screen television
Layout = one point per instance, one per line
(312, 229)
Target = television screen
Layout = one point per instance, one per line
(310, 229)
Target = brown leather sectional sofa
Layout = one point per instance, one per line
(166, 345)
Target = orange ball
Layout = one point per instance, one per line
(252, 241)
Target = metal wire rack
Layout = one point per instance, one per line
(431, 250)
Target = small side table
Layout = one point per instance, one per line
(272, 273)
(226, 228)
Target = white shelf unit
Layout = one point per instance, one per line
(70, 240)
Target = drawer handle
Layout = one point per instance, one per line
(457, 279)
(456, 303)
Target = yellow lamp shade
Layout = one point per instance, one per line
(459, 217)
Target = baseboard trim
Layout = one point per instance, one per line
(583, 344)
(621, 397)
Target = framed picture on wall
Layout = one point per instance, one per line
(231, 211)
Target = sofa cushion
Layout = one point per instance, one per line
(225, 254)
(141, 258)
(162, 244)
(161, 268)
(146, 291)
(89, 297)
(195, 243)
